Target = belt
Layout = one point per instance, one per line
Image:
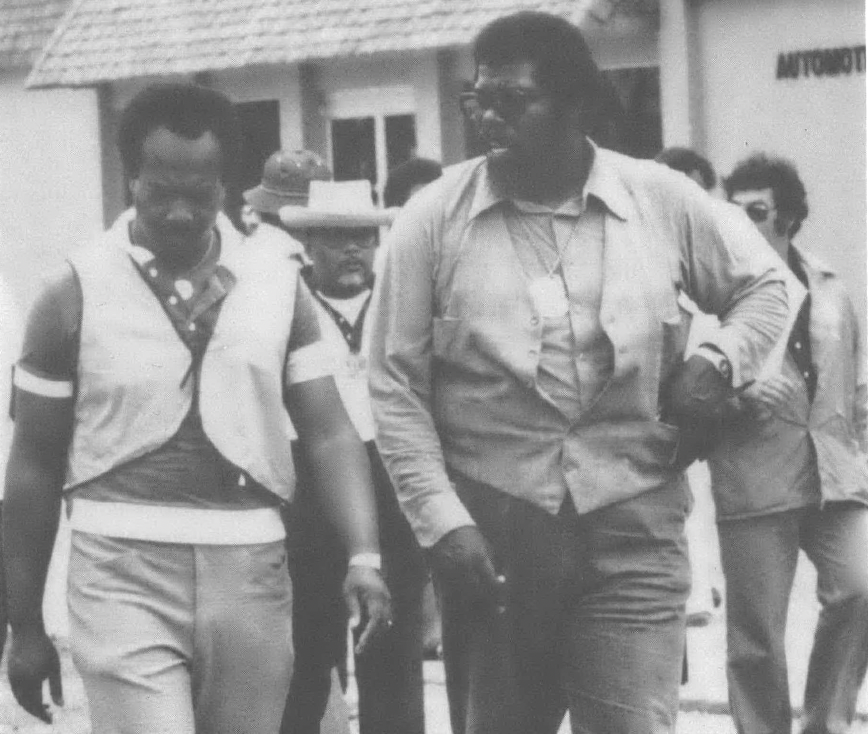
(188, 525)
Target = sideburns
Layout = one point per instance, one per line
(782, 226)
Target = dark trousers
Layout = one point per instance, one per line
(4, 620)
(389, 675)
(594, 619)
(759, 562)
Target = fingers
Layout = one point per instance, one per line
(355, 609)
(365, 591)
(379, 622)
(55, 685)
(487, 580)
(29, 697)
(500, 595)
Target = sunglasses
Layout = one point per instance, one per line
(509, 103)
(756, 211)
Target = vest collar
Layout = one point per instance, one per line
(230, 241)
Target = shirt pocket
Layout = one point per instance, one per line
(675, 325)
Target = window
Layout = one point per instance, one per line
(370, 132)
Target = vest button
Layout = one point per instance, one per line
(191, 327)
(173, 300)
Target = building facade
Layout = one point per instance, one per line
(369, 83)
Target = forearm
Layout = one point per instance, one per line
(860, 416)
(31, 511)
(344, 489)
(752, 326)
(413, 456)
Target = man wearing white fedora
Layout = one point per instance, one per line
(339, 227)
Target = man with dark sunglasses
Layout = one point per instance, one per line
(791, 474)
(528, 341)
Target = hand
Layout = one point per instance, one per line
(463, 558)
(770, 397)
(696, 394)
(698, 399)
(367, 595)
(32, 659)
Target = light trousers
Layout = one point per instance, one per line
(759, 562)
(181, 639)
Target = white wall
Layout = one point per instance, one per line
(817, 122)
(50, 191)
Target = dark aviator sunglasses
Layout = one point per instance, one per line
(509, 103)
(756, 211)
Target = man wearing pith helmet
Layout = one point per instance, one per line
(340, 228)
(533, 404)
(161, 367)
(286, 178)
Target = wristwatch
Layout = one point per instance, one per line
(717, 358)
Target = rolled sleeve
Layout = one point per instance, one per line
(400, 378)
(310, 362)
(733, 273)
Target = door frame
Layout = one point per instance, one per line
(378, 103)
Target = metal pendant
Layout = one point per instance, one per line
(549, 296)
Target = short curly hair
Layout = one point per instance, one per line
(562, 59)
(687, 161)
(188, 110)
(760, 171)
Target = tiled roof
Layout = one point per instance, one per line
(25, 26)
(104, 40)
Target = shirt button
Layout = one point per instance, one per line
(534, 320)
(531, 352)
(798, 345)
(529, 383)
(173, 300)
(191, 327)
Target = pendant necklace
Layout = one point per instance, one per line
(549, 291)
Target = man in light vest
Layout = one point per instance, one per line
(339, 227)
(160, 370)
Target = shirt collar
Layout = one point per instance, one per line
(811, 262)
(604, 184)
(230, 241)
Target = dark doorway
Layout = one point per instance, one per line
(260, 137)
(354, 149)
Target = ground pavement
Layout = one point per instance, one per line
(703, 698)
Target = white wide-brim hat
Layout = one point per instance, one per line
(337, 204)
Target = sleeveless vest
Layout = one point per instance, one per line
(130, 399)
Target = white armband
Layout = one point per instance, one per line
(367, 560)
